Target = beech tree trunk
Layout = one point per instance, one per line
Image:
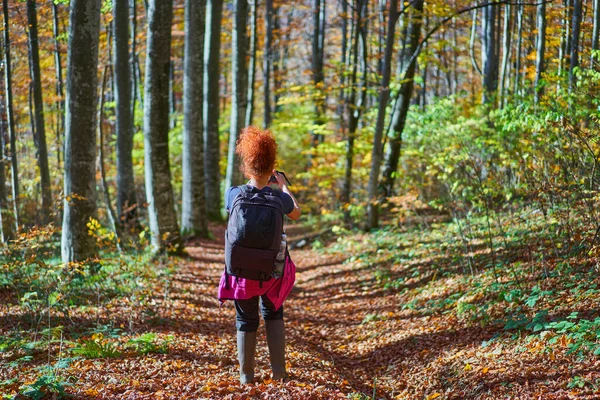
(212, 47)
(392, 154)
(595, 30)
(238, 89)
(126, 196)
(506, 44)
(252, 65)
(355, 104)
(489, 54)
(268, 63)
(384, 95)
(318, 9)
(80, 131)
(60, 103)
(159, 192)
(40, 130)
(541, 46)
(4, 226)
(575, 33)
(519, 48)
(10, 117)
(193, 204)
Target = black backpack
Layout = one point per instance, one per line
(253, 235)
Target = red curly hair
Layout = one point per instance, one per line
(257, 150)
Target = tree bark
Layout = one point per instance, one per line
(541, 46)
(10, 116)
(355, 106)
(60, 103)
(159, 192)
(4, 225)
(268, 63)
(238, 89)
(252, 65)
(80, 131)
(318, 9)
(490, 56)
(193, 204)
(384, 95)
(212, 46)
(506, 44)
(392, 155)
(519, 48)
(472, 43)
(595, 30)
(40, 131)
(575, 31)
(126, 196)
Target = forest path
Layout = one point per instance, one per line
(317, 318)
(346, 335)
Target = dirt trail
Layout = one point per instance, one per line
(345, 334)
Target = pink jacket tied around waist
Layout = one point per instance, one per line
(277, 290)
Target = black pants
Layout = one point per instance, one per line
(246, 313)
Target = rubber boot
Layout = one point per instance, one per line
(246, 345)
(276, 343)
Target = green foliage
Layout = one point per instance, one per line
(96, 347)
(150, 343)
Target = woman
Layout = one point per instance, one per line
(257, 150)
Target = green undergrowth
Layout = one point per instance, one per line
(57, 312)
(520, 274)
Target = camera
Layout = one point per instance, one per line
(273, 179)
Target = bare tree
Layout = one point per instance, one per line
(268, 63)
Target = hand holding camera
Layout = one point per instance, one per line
(279, 178)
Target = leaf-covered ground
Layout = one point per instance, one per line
(389, 315)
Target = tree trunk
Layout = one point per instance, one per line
(355, 106)
(541, 46)
(318, 76)
(596, 31)
(519, 48)
(40, 131)
(384, 95)
(10, 116)
(343, 67)
(506, 44)
(238, 89)
(212, 47)
(159, 192)
(112, 216)
(472, 43)
(193, 204)
(267, 63)
(132, 62)
(4, 225)
(60, 103)
(489, 59)
(392, 155)
(575, 31)
(252, 65)
(126, 196)
(80, 131)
